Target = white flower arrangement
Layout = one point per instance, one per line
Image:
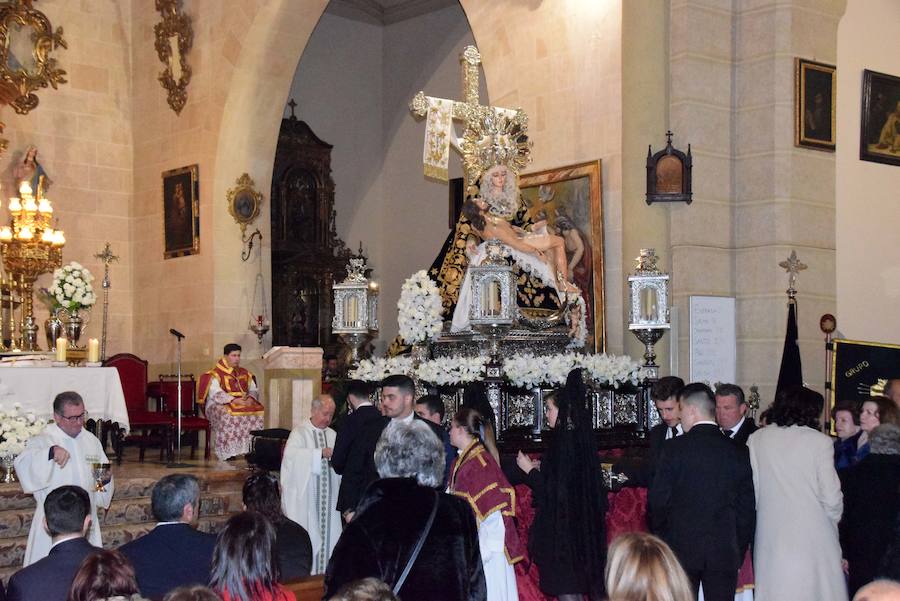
(420, 309)
(444, 371)
(72, 287)
(528, 371)
(612, 370)
(377, 369)
(15, 430)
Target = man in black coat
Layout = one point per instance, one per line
(702, 500)
(174, 553)
(664, 395)
(397, 394)
(350, 447)
(731, 413)
(67, 517)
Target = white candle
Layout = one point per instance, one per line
(352, 310)
(93, 350)
(61, 347)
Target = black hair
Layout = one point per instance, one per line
(104, 574)
(796, 406)
(700, 396)
(666, 387)
(262, 494)
(470, 420)
(434, 404)
(573, 511)
(404, 383)
(359, 389)
(171, 493)
(65, 509)
(69, 397)
(230, 348)
(851, 407)
(475, 396)
(732, 390)
(244, 562)
(474, 214)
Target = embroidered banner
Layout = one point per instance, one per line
(438, 132)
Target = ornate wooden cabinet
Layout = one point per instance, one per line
(307, 254)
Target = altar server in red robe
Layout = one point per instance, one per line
(476, 477)
(232, 404)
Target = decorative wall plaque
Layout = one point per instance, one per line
(174, 37)
(669, 174)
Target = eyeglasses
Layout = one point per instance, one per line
(74, 419)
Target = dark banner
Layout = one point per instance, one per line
(860, 369)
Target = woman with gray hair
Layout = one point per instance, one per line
(871, 504)
(421, 542)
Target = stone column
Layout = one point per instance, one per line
(293, 377)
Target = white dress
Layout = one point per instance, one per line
(39, 475)
(499, 574)
(796, 555)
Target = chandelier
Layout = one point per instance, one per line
(29, 244)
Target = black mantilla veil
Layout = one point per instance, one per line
(576, 502)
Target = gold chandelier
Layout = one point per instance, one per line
(29, 244)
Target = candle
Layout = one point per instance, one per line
(352, 310)
(61, 347)
(495, 298)
(15, 205)
(93, 350)
(648, 304)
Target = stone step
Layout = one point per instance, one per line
(12, 550)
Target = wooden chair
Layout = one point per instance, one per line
(191, 420)
(147, 426)
(311, 588)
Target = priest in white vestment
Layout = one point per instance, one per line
(61, 455)
(310, 485)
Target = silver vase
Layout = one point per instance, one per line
(53, 329)
(74, 326)
(7, 470)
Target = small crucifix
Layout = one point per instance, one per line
(792, 266)
(293, 105)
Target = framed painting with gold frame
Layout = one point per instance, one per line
(181, 212)
(814, 106)
(570, 199)
(879, 136)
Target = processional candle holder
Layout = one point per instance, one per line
(649, 292)
(493, 309)
(355, 308)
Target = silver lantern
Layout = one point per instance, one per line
(493, 308)
(649, 302)
(355, 308)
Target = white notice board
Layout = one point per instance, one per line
(713, 339)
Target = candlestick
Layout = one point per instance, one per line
(62, 346)
(93, 350)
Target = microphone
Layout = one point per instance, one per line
(176, 333)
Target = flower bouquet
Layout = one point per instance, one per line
(420, 309)
(15, 430)
(71, 287)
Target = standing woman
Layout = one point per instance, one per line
(568, 536)
(798, 504)
(477, 478)
(875, 411)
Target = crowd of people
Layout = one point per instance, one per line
(397, 506)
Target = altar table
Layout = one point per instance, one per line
(35, 387)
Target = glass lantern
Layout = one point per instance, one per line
(493, 309)
(355, 307)
(649, 303)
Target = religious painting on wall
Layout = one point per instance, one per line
(814, 106)
(181, 212)
(879, 137)
(569, 199)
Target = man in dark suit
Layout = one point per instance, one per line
(731, 413)
(702, 498)
(67, 517)
(664, 395)
(349, 456)
(174, 553)
(397, 394)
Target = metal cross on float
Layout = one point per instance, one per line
(468, 109)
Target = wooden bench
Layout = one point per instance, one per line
(311, 588)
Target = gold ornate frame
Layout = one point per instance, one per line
(184, 221)
(17, 84)
(244, 202)
(804, 87)
(596, 300)
(174, 24)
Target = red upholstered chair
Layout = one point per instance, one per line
(146, 426)
(191, 421)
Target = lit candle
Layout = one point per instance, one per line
(30, 205)
(6, 233)
(93, 350)
(495, 299)
(61, 347)
(25, 233)
(58, 238)
(46, 236)
(15, 205)
(44, 206)
(352, 309)
(648, 304)
(25, 189)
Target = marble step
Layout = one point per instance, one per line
(12, 550)
(128, 510)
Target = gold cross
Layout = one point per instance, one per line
(106, 256)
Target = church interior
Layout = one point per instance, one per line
(229, 109)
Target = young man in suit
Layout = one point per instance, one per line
(67, 518)
(349, 456)
(174, 553)
(702, 498)
(664, 395)
(731, 413)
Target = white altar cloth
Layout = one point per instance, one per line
(35, 387)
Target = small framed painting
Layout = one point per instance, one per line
(879, 136)
(814, 105)
(181, 212)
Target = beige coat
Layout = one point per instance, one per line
(796, 556)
